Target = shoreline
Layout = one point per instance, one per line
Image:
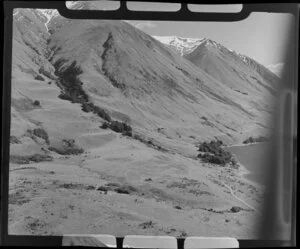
(243, 171)
(242, 145)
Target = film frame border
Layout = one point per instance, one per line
(122, 13)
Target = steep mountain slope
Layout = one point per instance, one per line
(35, 102)
(238, 72)
(219, 61)
(276, 68)
(131, 67)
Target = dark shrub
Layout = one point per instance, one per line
(249, 140)
(177, 207)
(68, 142)
(67, 151)
(127, 133)
(147, 224)
(116, 126)
(235, 209)
(38, 77)
(47, 74)
(70, 185)
(112, 184)
(102, 188)
(105, 125)
(150, 142)
(18, 198)
(183, 234)
(90, 187)
(41, 133)
(70, 73)
(40, 158)
(14, 140)
(49, 83)
(68, 148)
(138, 137)
(256, 140)
(120, 127)
(213, 153)
(234, 162)
(65, 96)
(90, 107)
(19, 159)
(87, 107)
(26, 159)
(212, 158)
(122, 191)
(36, 103)
(101, 113)
(78, 186)
(125, 189)
(70, 83)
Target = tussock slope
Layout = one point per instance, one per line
(141, 81)
(69, 76)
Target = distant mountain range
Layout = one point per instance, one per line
(183, 88)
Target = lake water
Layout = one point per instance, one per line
(255, 159)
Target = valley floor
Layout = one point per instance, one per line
(125, 187)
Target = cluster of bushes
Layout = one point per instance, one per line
(213, 153)
(72, 89)
(90, 107)
(118, 188)
(148, 142)
(79, 186)
(47, 74)
(212, 147)
(36, 103)
(259, 139)
(30, 158)
(38, 77)
(41, 133)
(69, 80)
(119, 127)
(14, 140)
(125, 189)
(220, 159)
(68, 148)
(40, 158)
(67, 151)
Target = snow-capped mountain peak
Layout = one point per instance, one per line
(49, 13)
(180, 44)
(187, 45)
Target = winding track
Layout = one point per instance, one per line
(236, 197)
(245, 203)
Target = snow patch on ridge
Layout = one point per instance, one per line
(48, 14)
(183, 45)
